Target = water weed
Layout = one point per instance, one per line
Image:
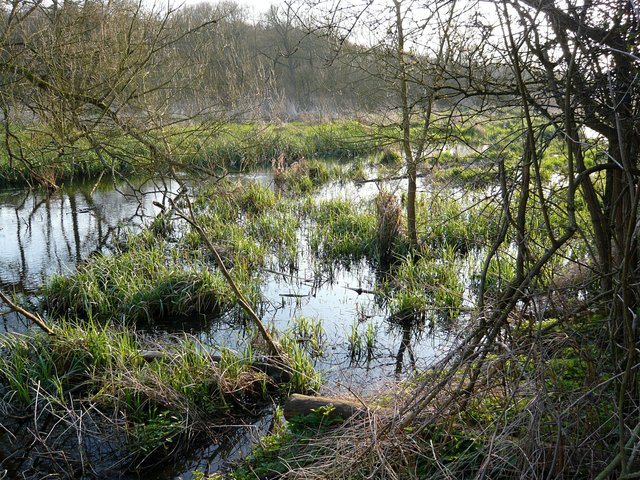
(310, 333)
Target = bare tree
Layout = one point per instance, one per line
(581, 63)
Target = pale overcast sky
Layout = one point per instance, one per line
(258, 6)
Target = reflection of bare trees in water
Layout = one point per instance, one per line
(57, 231)
(408, 325)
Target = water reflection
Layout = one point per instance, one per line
(405, 346)
(44, 233)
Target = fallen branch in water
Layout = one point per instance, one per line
(276, 350)
(35, 318)
(360, 291)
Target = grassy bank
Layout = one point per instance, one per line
(35, 158)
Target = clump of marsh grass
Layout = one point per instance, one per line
(370, 339)
(141, 284)
(250, 225)
(303, 377)
(163, 394)
(254, 198)
(343, 232)
(356, 172)
(390, 156)
(389, 219)
(354, 339)
(303, 175)
(310, 333)
(347, 232)
(360, 343)
(151, 278)
(425, 288)
(451, 221)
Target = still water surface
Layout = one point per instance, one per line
(44, 234)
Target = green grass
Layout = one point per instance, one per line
(343, 232)
(354, 340)
(420, 289)
(310, 333)
(461, 223)
(249, 225)
(182, 392)
(143, 283)
(236, 146)
(287, 445)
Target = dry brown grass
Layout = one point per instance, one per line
(518, 406)
(389, 217)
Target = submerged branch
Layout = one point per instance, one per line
(35, 318)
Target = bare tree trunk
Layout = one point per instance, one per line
(406, 131)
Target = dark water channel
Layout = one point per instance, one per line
(44, 234)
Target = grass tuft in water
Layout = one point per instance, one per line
(425, 288)
(302, 176)
(310, 333)
(147, 283)
(164, 393)
(354, 338)
(343, 232)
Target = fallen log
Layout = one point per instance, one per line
(304, 405)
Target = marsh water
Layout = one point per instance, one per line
(43, 234)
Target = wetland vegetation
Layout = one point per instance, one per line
(426, 214)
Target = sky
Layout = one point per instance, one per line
(259, 6)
